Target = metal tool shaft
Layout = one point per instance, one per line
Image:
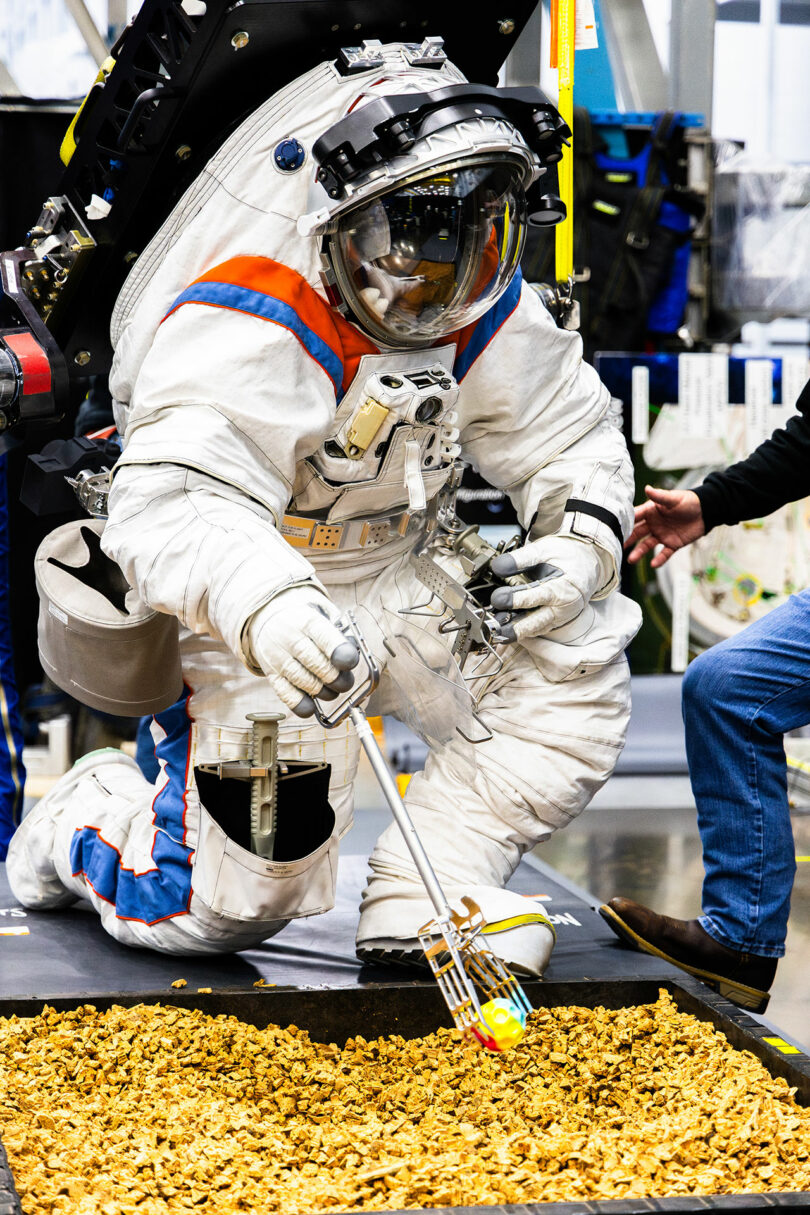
(400, 812)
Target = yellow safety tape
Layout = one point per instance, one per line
(564, 232)
(782, 1046)
(377, 729)
(69, 141)
(803, 858)
(403, 780)
(516, 921)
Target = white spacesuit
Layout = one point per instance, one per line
(280, 465)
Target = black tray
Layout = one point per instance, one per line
(417, 1008)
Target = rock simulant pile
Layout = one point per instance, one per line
(153, 1109)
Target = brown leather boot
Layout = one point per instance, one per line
(743, 978)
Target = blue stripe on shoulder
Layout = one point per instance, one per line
(243, 299)
(485, 329)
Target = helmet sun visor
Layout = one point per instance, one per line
(434, 254)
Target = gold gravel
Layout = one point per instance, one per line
(154, 1110)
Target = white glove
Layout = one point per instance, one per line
(293, 640)
(565, 573)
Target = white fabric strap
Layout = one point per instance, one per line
(417, 499)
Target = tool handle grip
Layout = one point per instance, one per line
(339, 710)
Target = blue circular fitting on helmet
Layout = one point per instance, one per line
(289, 155)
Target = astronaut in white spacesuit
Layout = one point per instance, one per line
(267, 483)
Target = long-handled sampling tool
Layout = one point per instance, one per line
(460, 960)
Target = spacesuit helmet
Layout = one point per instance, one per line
(425, 205)
(433, 254)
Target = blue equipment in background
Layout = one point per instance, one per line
(12, 772)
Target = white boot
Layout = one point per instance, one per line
(30, 865)
(517, 930)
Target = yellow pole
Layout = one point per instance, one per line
(564, 235)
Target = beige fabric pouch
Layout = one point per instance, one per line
(98, 641)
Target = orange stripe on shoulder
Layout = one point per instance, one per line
(283, 283)
(274, 278)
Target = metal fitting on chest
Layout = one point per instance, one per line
(417, 398)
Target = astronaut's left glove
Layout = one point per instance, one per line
(565, 575)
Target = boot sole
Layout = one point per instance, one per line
(394, 953)
(749, 998)
(411, 957)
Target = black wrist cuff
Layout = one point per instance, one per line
(581, 507)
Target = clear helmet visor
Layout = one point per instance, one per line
(433, 255)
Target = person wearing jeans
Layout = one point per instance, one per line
(738, 699)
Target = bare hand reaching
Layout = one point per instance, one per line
(671, 517)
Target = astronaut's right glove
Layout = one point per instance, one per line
(294, 641)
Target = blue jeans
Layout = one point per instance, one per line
(739, 698)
